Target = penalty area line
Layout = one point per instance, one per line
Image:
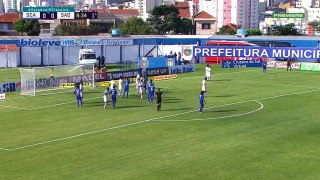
(147, 120)
(221, 117)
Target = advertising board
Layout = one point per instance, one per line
(10, 87)
(241, 63)
(258, 52)
(182, 69)
(310, 66)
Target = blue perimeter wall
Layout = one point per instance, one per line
(185, 41)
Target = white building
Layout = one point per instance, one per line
(11, 4)
(146, 6)
(307, 3)
(240, 12)
(301, 24)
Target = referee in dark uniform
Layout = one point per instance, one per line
(159, 99)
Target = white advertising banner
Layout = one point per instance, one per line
(294, 65)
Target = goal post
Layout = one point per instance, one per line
(39, 79)
(28, 83)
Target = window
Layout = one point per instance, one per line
(46, 26)
(206, 26)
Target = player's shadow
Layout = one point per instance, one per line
(92, 104)
(133, 106)
(176, 109)
(223, 80)
(222, 95)
(91, 92)
(169, 102)
(222, 110)
(171, 99)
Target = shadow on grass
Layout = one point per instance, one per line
(125, 107)
(175, 109)
(223, 95)
(169, 99)
(223, 80)
(222, 110)
(169, 102)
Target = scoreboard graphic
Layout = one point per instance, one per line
(50, 13)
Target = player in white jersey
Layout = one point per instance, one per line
(139, 84)
(208, 72)
(111, 84)
(204, 86)
(120, 81)
(137, 80)
(105, 97)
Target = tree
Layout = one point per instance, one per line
(285, 30)
(136, 26)
(70, 30)
(254, 32)
(30, 27)
(227, 30)
(166, 20)
(184, 26)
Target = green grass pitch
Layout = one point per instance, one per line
(256, 126)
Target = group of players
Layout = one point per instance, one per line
(142, 87)
(203, 92)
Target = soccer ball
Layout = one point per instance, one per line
(273, 75)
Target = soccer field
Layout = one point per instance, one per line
(255, 126)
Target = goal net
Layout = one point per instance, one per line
(49, 78)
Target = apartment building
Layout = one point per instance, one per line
(146, 6)
(240, 12)
(11, 5)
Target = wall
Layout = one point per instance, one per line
(11, 56)
(128, 48)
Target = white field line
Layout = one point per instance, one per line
(277, 84)
(4, 149)
(147, 120)
(64, 103)
(13, 107)
(70, 102)
(62, 91)
(222, 117)
(48, 106)
(67, 90)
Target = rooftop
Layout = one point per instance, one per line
(9, 17)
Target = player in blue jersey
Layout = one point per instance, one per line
(126, 84)
(77, 92)
(151, 89)
(113, 94)
(201, 101)
(264, 66)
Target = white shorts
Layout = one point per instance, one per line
(203, 89)
(105, 99)
(208, 75)
(120, 88)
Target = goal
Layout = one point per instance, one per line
(39, 79)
